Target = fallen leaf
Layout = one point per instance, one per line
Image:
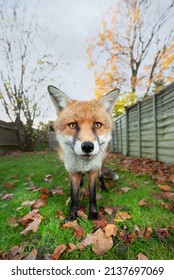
(32, 255)
(70, 224)
(47, 178)
(122, 216)
(143, 202)
(108, 210)
(78, 231)
(71, 247)
(99, 196)
(147, 232)
(167, 206)
(165, 188)
(102, 243)
(142, 257)
(9, 185)
(110, 230)
(162, 232)
(125, 189)
(99, 223)
(13, 222)
(57, 190)
(134, 185)
(89, 239)
(7, 196)
(68, 201)
(82, 214)
(49, 257)
(28, 203)
(60, 214)
(31, 221)
(58, 251)
(39, 204)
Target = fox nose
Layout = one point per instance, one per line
(87, 147)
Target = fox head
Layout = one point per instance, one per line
(83, 127)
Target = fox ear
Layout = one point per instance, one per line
(108, 100)
(59, 98)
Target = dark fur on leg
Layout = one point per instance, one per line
(93, 214)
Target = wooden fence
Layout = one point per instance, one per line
(8, 135)
(147, 128)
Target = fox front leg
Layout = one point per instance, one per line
(92, 177)
(75, 183)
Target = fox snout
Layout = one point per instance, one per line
(87, 147)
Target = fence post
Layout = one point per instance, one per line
(127, 130)
(154, 131)
(121, 138)
(139, 128)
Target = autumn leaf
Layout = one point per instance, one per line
(7, 196)
(143, 202)
(82, 214)
(32, 255)
(167, 206)
(39, 204)
(89, 239)
(28, 203)
(60, 214)
(13, 222)
(71, 247)
(47, 178)
(108, 210)
(31, 221)
(165, 188)
(162, 232)
(110, 230)
(125, 189)
(99, 223)
(142, 257)
(102, 243)
(122, 216)
(9, 185)
(147, 232)
(58, 251)
(70, 224)
(78, 231)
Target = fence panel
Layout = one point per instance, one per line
(8, 135)
(147, 128)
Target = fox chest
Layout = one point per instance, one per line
(76, 164)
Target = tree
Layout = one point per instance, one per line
(22, 70)
(131, 48)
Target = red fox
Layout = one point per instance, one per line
(83, 130)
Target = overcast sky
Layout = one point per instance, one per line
(67, 25)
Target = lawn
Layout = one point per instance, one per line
(137, 205)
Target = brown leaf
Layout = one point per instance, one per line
(167, 206)
(7, 196)
(68, 201)
(32, 255)
(9, 185)
(78, 231)
(58, 251)
(47, 178)
(57, 190)
(147, 232)
(99, 223)
(39, 204)
(108, 210)
(89, 239)
(102, 243)
(82, 214)
(71, 247)
(134, 185)
(162, 232)
(60, 214)
(13, 222)
(31, 221)
(122, 216)
(49, 257)
(143, 202)
(142, 257)
(165, 188)
(28, 203)
(70, 224)
(110, 230)
(125, 189)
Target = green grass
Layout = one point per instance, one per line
(17, 167)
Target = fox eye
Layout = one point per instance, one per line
(97, 125)
(72, 125)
